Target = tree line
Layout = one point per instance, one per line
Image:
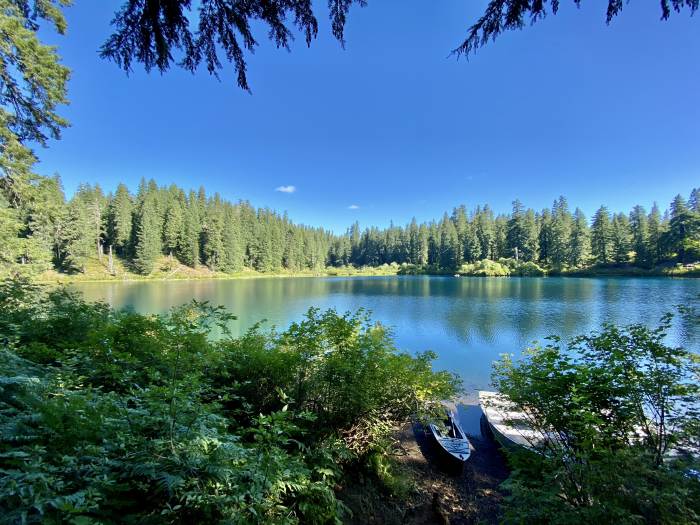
(41, 229)
(555, 238)
(45, 230)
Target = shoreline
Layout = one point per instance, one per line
(96, 272)
(67, 279)
(432, 495)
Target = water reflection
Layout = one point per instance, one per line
(467, 321)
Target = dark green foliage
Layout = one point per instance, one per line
(148, 240)
(77, 243)
(617, 411)
(560, 250)
(117, 417)
(33, 85)
(174, 224)
(198, 229)
(545, 236)
(507, 15)
(683, 236)
(213, 249)
(639, 225)
(151, 31)
(580, 240)
(119, 220)
(155, 32)
(601, 236)
(620, 236)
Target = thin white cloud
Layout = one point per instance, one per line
(286, 189)
(353, 207)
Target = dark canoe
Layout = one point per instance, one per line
(451, 441)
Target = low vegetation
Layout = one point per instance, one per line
(111, 416)
(616, 414)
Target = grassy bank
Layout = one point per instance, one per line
(170, 270)
(513, 268)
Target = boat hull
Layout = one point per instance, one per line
(453, 448)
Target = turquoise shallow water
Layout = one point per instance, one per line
(467, 321)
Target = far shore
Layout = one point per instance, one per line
(183, 273)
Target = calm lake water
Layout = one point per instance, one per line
(468, 322)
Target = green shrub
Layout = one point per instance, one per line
(616, 410)
(485, 268)
(530, 269)
(110, 416)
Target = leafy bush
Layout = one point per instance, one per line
(485, 268)
(530, 269)
(617, 415)
(110, 416)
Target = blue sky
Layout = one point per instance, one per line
(392, 125)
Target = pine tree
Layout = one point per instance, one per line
(461, 222)
(639, 226)
(484, 228)
(694, 200)
(621, 237)
(684, 229)
(45, 218)
(10, 228)
(78, 243)
(293, 258)
(148, 245)
(545, 236)
(449, 245)
(601, 236)
(654, 247)
(561, 233)
(413, 242)
(119, 220)
(189, 249)
(174, 222)
(580, 240)
(423, 245)
(234, 248)
(522, 233)
(500, 231)
(517, 236)
(213, 251)
(96, 205)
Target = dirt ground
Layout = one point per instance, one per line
(438, 496)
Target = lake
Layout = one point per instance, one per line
(467, 321)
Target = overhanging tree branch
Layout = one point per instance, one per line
(506, 15)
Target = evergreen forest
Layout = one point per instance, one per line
(40, 230)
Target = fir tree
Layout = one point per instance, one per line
(621, 238)
(601, 236)
(684, 228)
(560, 233)
(119, 220)
(78, 243)
(545, 236)
(148, 235)
(639, 226)
(189, 253)
(654, 247)
(580, 240)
